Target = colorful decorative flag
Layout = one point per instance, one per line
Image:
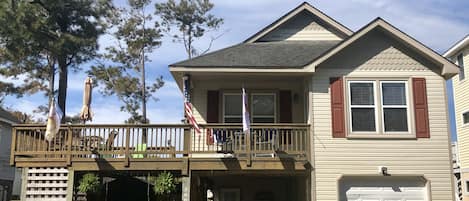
(246, 118)
(188, 106)
(53, 121)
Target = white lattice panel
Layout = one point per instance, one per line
(46, 184)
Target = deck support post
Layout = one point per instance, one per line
(13, 146)
(187, 141)
(70, 182)
(186, 187)
(24, 183)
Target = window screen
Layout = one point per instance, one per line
(362, 106)
(263, 108)
(232, 108)
(394, 106)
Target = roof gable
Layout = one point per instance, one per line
(7, 117)
(448, 69)
(303, 20)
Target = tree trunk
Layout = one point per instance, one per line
(63, 79)
(51, 83)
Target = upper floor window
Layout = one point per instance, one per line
(461, 66)
(232, 108)
(262, 107)
(465, 117)
(378, 106)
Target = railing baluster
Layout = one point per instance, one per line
(69, 145)
(127, 144)
(163, 141)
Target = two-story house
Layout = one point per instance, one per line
(459, 54)
(374, 101)
(335, 115)
(10, 177)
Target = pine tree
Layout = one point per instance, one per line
(123, 71)
(40, 38)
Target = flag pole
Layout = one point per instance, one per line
(246, 126)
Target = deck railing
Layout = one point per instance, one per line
(116, 142)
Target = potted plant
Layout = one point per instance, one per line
(89, 185)
(164, 185)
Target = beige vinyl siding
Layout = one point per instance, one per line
(253, 84)
(461, 105)
(304, 26)
(336, 157)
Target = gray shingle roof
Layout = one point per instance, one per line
(281, 54)
(8, 116)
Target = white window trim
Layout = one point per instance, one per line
(465, 187)
(223, 107)
(406, 87)
(461, 65)
(349, 105)
(379, 113)
(462, 118)
(263, 116)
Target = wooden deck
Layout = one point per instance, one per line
(163, 147)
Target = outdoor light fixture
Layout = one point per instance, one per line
(383, 170)
(296, 98)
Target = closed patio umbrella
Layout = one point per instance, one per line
(85, 113)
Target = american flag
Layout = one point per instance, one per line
(188, 106)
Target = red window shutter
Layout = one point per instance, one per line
(337, 107)
(285, 107)
(212, 106)
(419, 88)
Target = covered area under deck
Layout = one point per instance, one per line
(249, 185)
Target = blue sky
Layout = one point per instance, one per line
(436, 23)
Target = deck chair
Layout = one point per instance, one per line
(266, 140)
(110, 140)
(109, 146)
(140, 147)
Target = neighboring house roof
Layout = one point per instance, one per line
(304, 6)
(448, 68)
(7, 117)
(281, 54)
(457, 47)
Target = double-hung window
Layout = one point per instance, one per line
(378, 107)
(232, 108)
(262, 107)
(362, 106)
(395, 106)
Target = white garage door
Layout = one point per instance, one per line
(384, 189)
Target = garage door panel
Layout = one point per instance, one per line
(383, 189)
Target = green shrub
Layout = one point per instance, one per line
(165, 183)
(89, 183)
